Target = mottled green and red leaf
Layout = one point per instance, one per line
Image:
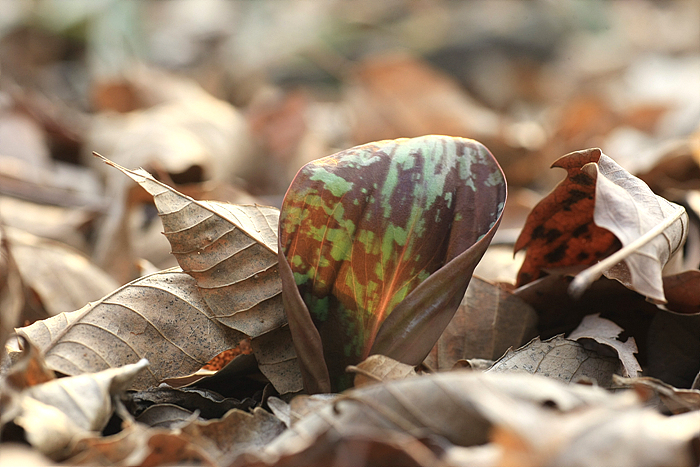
(361, 230)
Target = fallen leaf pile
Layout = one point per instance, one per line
(265, 234)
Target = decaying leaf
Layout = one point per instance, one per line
(62, 277)
(234, 433)
(161, 317)
(650, 228)
(488, 322)
(230, 251)
(377, 246)
(675, 400)
(53, 413)
(561, 359)
(11, 291)
(560, 231)
(380, 368)
(454, 405)
(606, 332)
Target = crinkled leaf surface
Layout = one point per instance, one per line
(628, 208)
(488, 322)
(161, 317)
(562, 359)
(54, 412)
(362, 230)
(230, 250)
(560, 231)
(606, 332)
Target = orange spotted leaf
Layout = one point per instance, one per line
(559, 231)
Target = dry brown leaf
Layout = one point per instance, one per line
(378, 368)
(237, 431)
(53, 413)
(169, 416)
(396, 96)
(650, 228)
(456, 406)
(606, 332)
(139, 446)
(230, 250)
(299, 407)
(62, 277)
(630, 436)
(277, 359)
(675, 400)
(561, 359)
(488, 322)
(28, 368)
(161, 317)
(11, 291)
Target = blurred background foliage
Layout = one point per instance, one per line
(227, 99)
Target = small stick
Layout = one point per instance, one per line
(585, 278)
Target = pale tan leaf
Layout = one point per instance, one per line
(650, 228)
(561, 359)
(230, 250)
(52, 413)
(277, 359)
(235, 432)
(62, 277)
(11, 292)
(676, 400)
(488, 322)
(138, 445)
(606, 332)
(161, 317)
(377, 368)
(453, 405)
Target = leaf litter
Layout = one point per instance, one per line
(249, 413)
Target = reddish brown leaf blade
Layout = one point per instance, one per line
(559, 231)
(362, 229)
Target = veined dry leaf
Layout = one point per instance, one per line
(448, 405)
(53, 413)
(235, 432)
(62, 277)
(29, 369)
(377, 246)
(230, 251)
(377, 368)
(139, 446)
(606, 332)
(168, 416)
(628, 208)
(161, 317)
(676, 400)
(488, 322)
(561, 359)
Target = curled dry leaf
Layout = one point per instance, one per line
(448, 405)
(230, 251)
(161, 317)
(488, 322)
(606, 332)
(11, 292)
(379, 368)
(561, 359)
(650, 228)
(63, 278)
(377, 246)
(560, 231)
(52, 413)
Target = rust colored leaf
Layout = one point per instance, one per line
(560, 231)
(361, 233)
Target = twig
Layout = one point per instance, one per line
(585, 278)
